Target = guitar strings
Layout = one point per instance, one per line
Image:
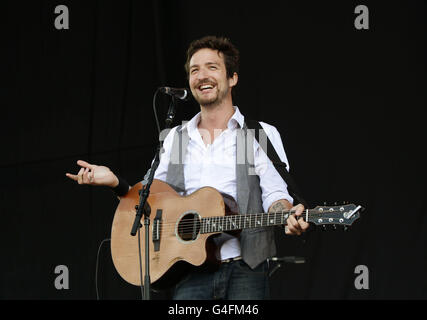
(252, 217)
(211, 229)
(187, 226)
(204, 230)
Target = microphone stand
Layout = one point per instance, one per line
(289, 259)
(144, 208)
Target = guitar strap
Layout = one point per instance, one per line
(278, 164)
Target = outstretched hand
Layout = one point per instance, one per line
(92, 174)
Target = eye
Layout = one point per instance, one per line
(192, 71)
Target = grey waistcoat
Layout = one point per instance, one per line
(256, 244)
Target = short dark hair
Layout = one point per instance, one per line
(221, 44)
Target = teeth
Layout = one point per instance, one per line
(206, 87)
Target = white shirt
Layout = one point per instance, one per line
(215, 166)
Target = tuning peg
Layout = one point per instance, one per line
(345, 228)
(324, 227)
(334, 227)
(335, 203)
(325, 203)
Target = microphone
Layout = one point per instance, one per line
(180, 93)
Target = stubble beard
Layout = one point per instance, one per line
(212, 102)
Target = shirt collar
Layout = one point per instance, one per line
(236, 120)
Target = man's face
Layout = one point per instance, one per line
(208, 77)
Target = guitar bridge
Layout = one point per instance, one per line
(156, 229)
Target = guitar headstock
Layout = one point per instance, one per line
(337, 215)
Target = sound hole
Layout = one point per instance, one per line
(189, 227)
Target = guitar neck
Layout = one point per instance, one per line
(249, 221)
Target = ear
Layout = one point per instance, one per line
(233, 80)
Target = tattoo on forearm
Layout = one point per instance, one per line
(278, 207)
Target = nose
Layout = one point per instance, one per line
(201, 75)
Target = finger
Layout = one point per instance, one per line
(85, 177)
(303, 224)
(80, 176)
(293, 225)
(72, 176)
(85, 164)
(294, 222)
(91, 175)
(292, 230)
(299, 209)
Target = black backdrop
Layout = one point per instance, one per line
(348, 104)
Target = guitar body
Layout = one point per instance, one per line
(182, 229)
(178, 246)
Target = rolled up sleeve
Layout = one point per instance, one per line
(272, 185)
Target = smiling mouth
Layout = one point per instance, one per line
(205, 87)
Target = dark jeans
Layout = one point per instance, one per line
(233, 281)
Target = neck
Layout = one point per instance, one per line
(216, 117)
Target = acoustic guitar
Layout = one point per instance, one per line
(182, 229)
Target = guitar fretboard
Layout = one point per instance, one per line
(243, 221)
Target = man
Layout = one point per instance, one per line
(211, 158)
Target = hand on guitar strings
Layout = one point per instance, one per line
(295, 225)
